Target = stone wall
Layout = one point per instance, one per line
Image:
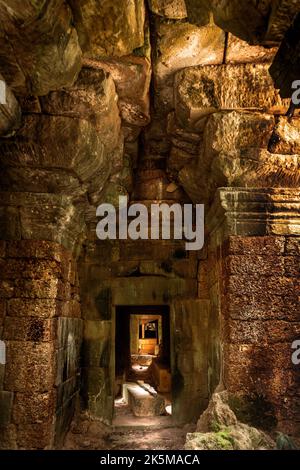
(41, 330)
(261, 320)
(253, 253)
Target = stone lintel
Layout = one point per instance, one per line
(253, 212)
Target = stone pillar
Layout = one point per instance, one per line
(40, 321)
(254, 245)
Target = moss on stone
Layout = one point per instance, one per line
(224, 440)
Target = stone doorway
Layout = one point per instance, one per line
(143, 385)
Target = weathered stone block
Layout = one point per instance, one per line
(45, 308)
(267, 332)
(96, 344)
(134, 100)
(180, 46)
(95, 378)
(36, 289)
(240, 52)
(199, 13)
(120, 27)
(266, 356)
(38, 214)
(173, 9)
(143, 404)
(93, 97)
(63, 420)
(29, 329)
(286, 135)
(29, 268)
(67, 360)
(292, 266)
(6, 289)
(244, 285)
(33, 408)
(2, 310)
(200, 91)
(34, 249)
(44, 54)
(35, 436)
(69, 308)
(179, 159)
(229, 131)
(256, 246)
(76, 145)
(293, 246)
(262, 307)
(29, 366)
(258, 265)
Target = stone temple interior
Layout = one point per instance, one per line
(161, 101)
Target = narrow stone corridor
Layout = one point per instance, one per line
(149, 211)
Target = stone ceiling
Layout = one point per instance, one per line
(83, 78)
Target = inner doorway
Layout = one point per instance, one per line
(143, 388)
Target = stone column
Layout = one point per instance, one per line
(254, 245)
(39, 321)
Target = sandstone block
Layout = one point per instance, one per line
(34, 249)
(240, 52)
(285, 138)
(258, 265)
(143, 404)
(33, 408)
(29, 366)
(92, 97)
(267, 332)
(256, 245)
(45, 308)
(263, 307)
(29, 329)
(200, 91)
(173, 9)
(44, 53)
(180, 46)
(293, 246)
(35, 436)
(109, 28)
(132, 76)
(245, 285)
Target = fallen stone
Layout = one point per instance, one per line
(219, 429)
(144, 404)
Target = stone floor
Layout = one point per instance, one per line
(157, 434)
